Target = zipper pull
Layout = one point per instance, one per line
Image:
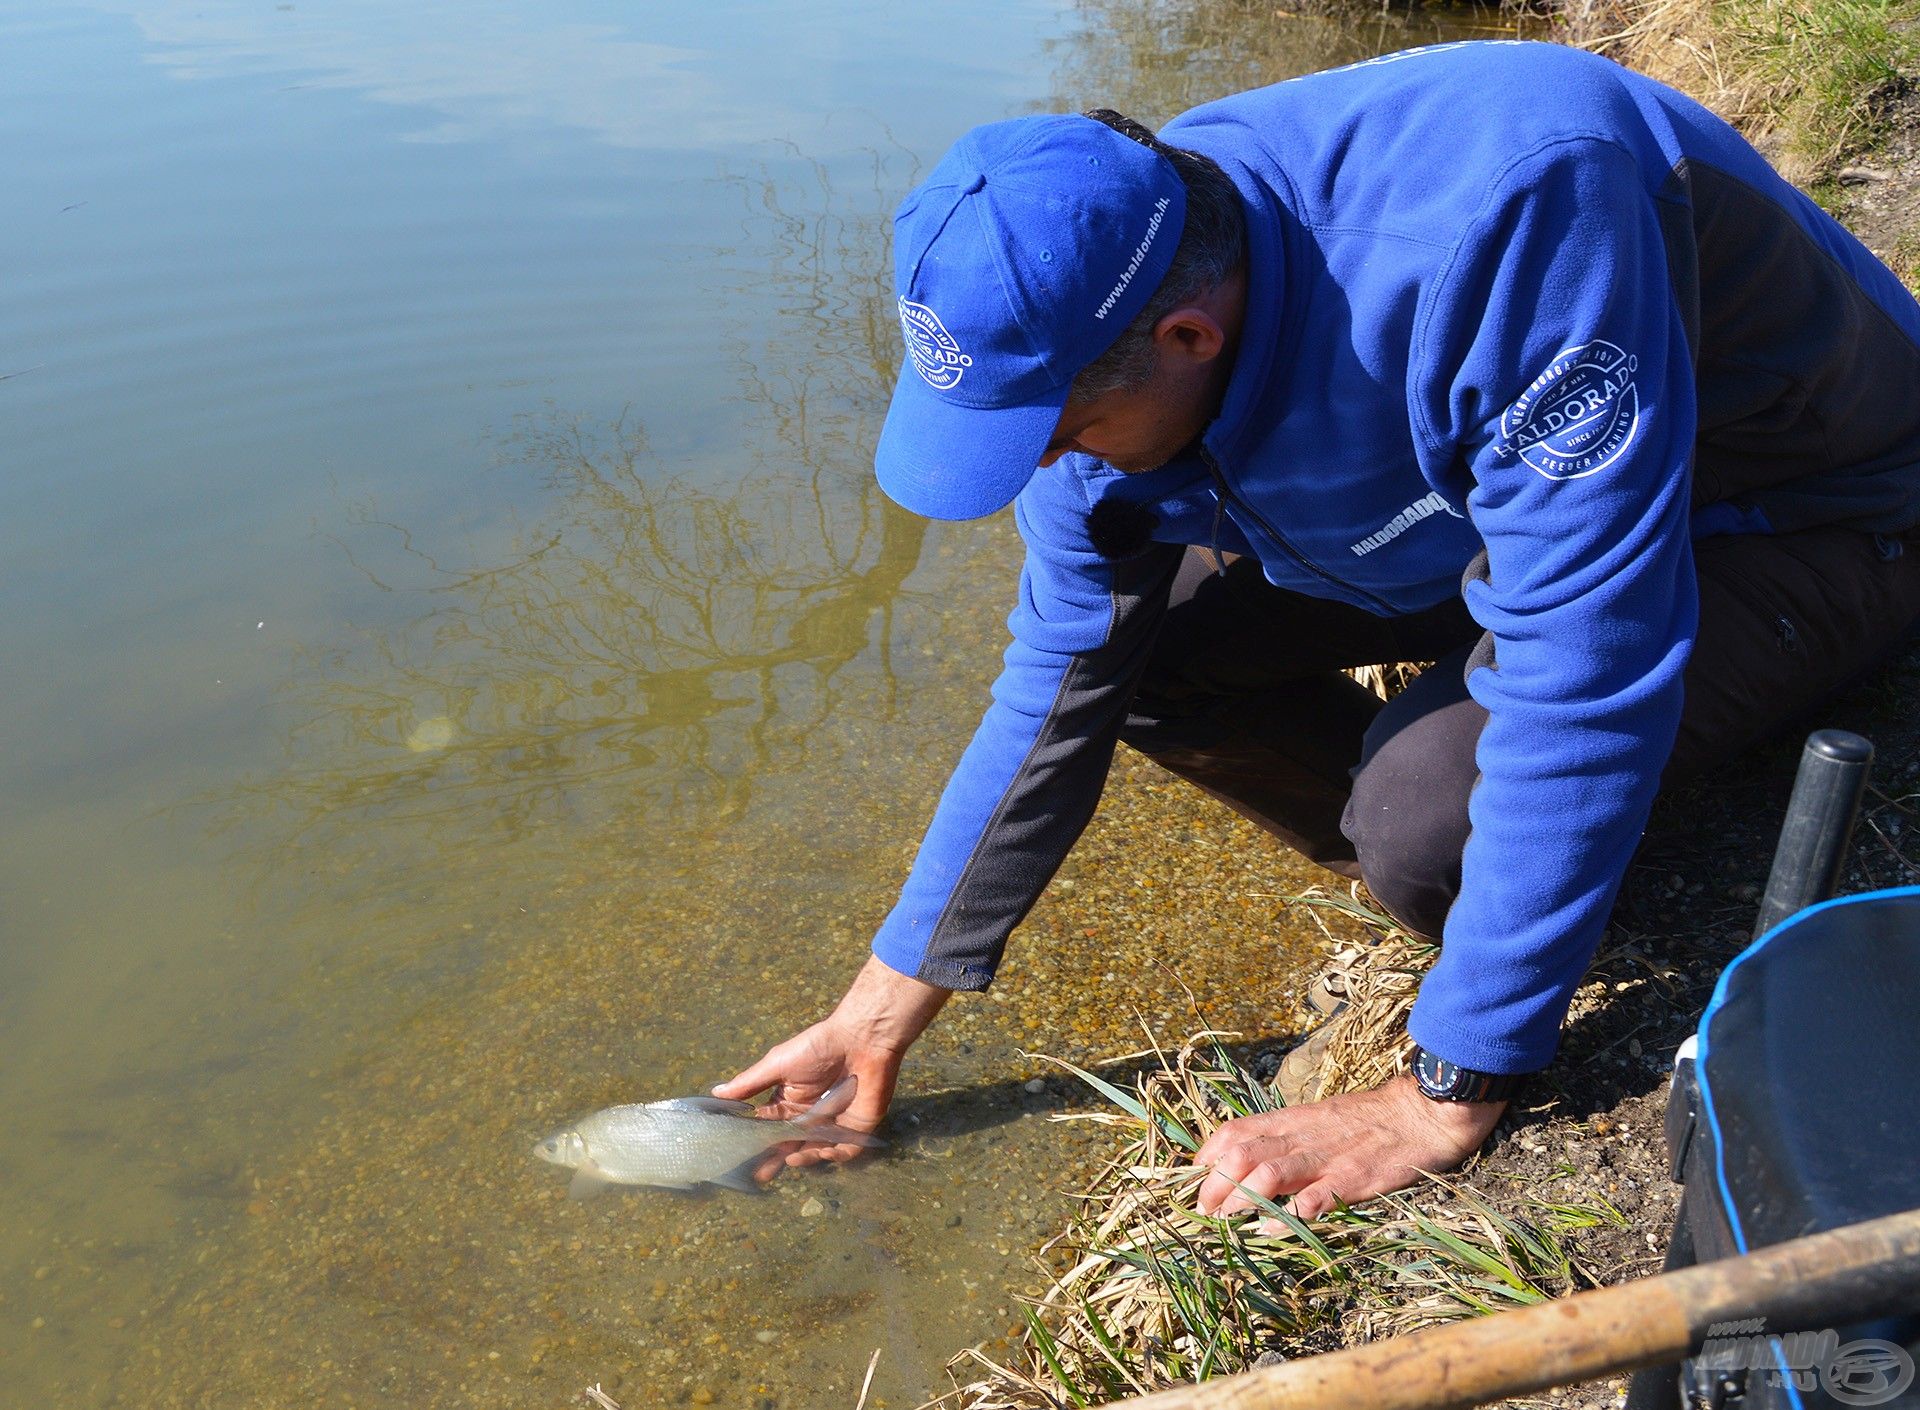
(1219, 513)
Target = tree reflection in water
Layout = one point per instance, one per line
(650, 640)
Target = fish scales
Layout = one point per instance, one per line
(687, 1141)
(641, 1145)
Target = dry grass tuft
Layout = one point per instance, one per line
(1387, 681)
(1147, 1292)
(1375, 980)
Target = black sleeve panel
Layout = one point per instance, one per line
(1058, 784)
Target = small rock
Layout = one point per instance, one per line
(1269, 1358)
(41, 1272)
(953, 1221)
(1033, 1087)
(1863, 175)
(812, 1207)
(766, 1336)
(702, 1396)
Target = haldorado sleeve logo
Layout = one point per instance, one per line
(1579, 415)
(936, 356)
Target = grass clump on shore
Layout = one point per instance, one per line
(1147, 1292)
(1810, 82)
(1822, 74)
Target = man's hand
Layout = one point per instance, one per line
(1343, 1149)
(866, 1037)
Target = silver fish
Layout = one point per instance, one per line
(684, 1142)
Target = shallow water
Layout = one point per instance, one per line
(460, 674)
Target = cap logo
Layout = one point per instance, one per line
(936, 356)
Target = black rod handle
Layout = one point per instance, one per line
(1819, 825)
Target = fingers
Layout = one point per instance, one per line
(869, 1105)
(1317, 1199)
(763, 1074)
(824, 1155)
(1266, 1167)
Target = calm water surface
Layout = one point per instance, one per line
(458, 674)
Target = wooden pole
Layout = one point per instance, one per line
(1807, 1284)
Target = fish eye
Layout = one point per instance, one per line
(552, 1143)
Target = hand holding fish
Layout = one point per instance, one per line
(865, 1038)
(685, 1142)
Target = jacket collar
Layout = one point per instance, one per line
(1269, 326)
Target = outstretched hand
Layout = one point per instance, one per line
(1341, 1150)
(865, 1037)
(800, 1071)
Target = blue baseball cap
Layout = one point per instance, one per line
(1017, 262)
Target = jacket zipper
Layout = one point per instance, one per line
(1299, 559)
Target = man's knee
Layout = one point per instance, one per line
(1407, 816)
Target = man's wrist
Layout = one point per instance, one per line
(1465, 1125)
(888, 1009)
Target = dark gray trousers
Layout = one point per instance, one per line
(1244, 696)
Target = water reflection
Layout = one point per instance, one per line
(482, 69)
(1153, 59)
(636, 633)
(653, 639)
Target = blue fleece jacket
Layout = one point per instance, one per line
(1515, 315)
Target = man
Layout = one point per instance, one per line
(1490, 354)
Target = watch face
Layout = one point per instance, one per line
(1448, 1082)
(1436, 1075)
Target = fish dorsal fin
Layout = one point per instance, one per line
(713, 1106)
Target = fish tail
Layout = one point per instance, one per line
(820, 1129)
(817, 1120)
(834, 1100)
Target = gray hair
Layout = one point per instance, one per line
(1213, 244)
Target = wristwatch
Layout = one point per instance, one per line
(1443, 1081)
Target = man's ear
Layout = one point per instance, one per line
(1190, 332)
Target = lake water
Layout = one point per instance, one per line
(459, 674)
